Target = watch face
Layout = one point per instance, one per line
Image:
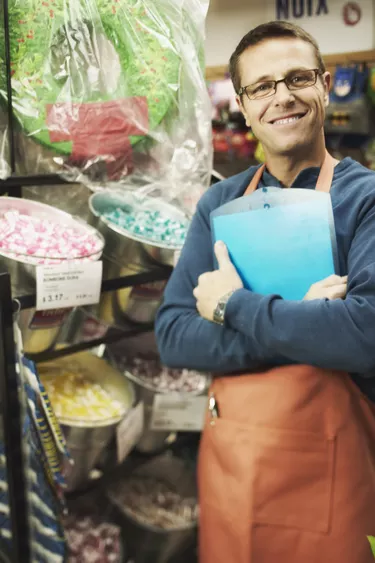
(219, 312)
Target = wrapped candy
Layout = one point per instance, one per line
(41, 241)
(162, 378)
(74, 396)
(92, 542)
(154, 503)
(149, 224)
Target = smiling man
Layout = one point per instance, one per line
(287, 460)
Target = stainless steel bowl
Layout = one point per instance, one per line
(153, 440)
(23, 272)
(146, 542)
(41, 329)
(124, 246)
(39, 334)
(86, 439)
(138, 303)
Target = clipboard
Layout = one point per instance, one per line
(280, 241)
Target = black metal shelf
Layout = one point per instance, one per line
(49, 180)
(12, 406)
(11, 412)
(113, 335)
(157, 273)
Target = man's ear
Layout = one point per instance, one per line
(242, 110)
(327, 83)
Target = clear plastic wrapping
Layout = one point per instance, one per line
(5, 166)
(110, 93)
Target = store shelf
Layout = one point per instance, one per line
(25, 298)
(114, 335)
(156, 273)
(12, 417)
(32, 180)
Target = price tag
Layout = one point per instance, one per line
(129, 431)
(68, 285)
(178, 413)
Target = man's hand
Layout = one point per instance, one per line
(333, 287)
(214, 285)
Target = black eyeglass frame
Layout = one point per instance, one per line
(243, 89)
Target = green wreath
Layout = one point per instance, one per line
(44, 38)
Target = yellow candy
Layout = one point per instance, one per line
(74, 396)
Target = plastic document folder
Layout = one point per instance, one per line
(281, 241)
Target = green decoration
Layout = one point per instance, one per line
(54, 51)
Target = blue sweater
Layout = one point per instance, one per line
(266, 330)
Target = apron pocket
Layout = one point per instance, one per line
(293, 479)
(267, 476)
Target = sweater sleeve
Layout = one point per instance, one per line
(338, 334)
(186, 340)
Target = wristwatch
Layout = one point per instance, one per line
(219, 312)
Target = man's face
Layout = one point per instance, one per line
(274, 59)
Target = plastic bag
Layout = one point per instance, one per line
(5, 167)
(111, 91)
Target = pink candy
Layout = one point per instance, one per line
(41, 241)
(96, 542)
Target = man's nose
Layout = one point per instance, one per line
(283, 95)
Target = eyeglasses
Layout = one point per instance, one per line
(296, 80)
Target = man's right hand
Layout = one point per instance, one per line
(333, 287)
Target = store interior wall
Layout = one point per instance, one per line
(228, 21)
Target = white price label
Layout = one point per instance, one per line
(178, 413)
(129, 431)
(68, 285)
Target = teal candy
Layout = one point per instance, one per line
(152, 225)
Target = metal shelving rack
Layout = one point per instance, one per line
(11, 410)
(10, 398)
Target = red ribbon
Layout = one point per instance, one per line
(99, 130)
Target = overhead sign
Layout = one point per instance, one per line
(287, 9)
(349, 22)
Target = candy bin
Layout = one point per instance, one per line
(140, 231)
(33, 234)
(91, 534)
(157, 509)
(137, 227)
(150, 378)
(90, 398)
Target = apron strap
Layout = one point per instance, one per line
(255, 180)
(323, 184)
(325, 178)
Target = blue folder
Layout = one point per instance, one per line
(281, 241)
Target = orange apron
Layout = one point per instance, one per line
(287, 464)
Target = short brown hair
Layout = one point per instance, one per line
(270, 30)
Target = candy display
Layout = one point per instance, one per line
(149, 224)
(104, 100)
(73, 395)
(107, 89)
(161, 378)
(90, 398)
(153, 502)
(42, 241)
(90, 541)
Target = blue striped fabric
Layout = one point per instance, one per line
(45, 480)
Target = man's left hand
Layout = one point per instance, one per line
(212, 286)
